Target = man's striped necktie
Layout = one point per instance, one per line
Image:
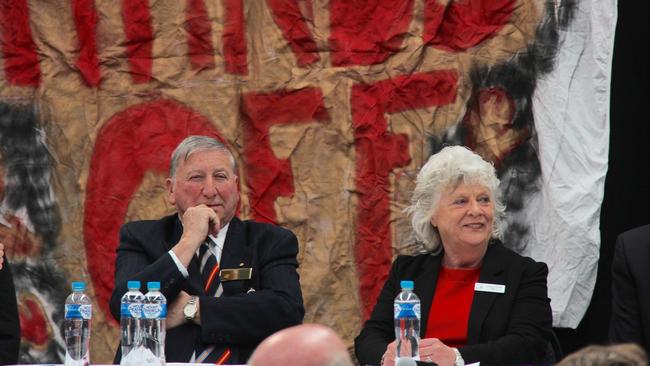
(209, 269)
(211, 285)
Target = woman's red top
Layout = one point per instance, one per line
(451, 304)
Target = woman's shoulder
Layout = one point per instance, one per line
(413, 260)
(509, 256)
(413, 266)
(414, 257)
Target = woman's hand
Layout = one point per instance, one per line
(388, 359)
(433, 350)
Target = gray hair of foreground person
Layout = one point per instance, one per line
(445, 170)
(302, 345)
(192, 144)
(626, 354)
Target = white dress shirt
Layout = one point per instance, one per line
(216, 248)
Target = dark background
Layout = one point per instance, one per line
(627, 187)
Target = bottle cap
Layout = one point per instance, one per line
(133, 285)
(154, 285)
(406, 285)
(78, 286)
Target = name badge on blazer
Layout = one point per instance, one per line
(234, 274)
(490, 287)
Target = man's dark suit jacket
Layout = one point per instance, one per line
(512, 328)
(9, 323)
(248, 310)
(631, 288)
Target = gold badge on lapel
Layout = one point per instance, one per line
(234, 274)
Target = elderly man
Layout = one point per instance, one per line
(302, 345)
(229, 283)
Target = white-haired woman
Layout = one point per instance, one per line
(481, 302)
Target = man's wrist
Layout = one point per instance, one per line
(179, 265)
(458, 361)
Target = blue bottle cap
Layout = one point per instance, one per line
(154, 285)
(406, 285)
(78, 286)
(133, 285)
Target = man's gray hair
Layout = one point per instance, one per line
(192, 144)
(446, 170)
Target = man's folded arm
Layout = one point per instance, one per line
(134, 264)
(251, 316)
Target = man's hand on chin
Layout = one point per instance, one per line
(198, 222)
(175, 316)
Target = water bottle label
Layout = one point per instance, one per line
(86, 311)
(72, 311)
(135, 310)
(153, 311)
(131, 310)
(77, 311)
(406, 310)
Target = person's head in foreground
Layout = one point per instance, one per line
(302, 345)
(627, 354)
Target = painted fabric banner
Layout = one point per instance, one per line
(331, 107)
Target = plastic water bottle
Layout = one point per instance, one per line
(407, 325)
(154, 311)
(131, 318)
(76, 326)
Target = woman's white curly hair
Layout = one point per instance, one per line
(445, 170)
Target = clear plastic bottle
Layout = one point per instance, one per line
(131, 318)
(407, 324)
(76, 326)
(154, 311)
